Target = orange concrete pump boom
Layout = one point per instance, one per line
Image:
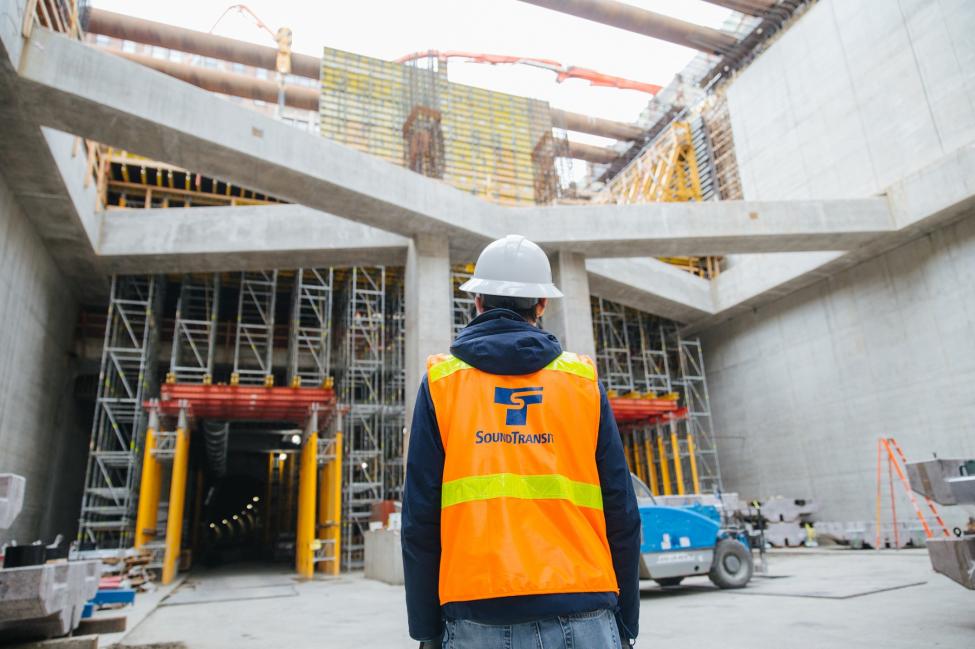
(562, 72)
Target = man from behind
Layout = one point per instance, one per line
(520, 525)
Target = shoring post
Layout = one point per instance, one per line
(648, 453)
(307, 477)
(678, 469)
(177, 499)
(150, 485)
(692, 457)
(664, 461)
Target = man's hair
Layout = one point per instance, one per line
(523, 306)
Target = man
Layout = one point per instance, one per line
(520, 525)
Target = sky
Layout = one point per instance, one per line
(389, 29)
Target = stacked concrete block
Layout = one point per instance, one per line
(11, 498)
(45, 601)
(42, 601)
(785, 520)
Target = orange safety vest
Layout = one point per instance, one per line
(521, 506)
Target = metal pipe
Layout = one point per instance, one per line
(594, 125)
(228, 83)
(641, 21)
(108, 23)
(749, 7)
(589, 153)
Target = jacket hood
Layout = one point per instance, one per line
(500, 341)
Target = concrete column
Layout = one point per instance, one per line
(428, 296)
(570, 317)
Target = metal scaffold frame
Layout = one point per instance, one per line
(126, 377)
(394, 386)
(310, 338)
(363, 351)
(641, 356)
(463, 302)
(195, 330)
(613, 355)
(254, 339)
(690, 380)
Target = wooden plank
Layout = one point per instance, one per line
(77, 642)
(114, 624)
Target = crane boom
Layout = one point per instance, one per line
(562, 72)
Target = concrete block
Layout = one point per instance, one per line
(930, 478)
(11, 498)
(954, 558)
(45, 601)
(384, 556)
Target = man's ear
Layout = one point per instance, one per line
(540, 307)
(479, 304)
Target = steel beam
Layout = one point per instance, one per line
(641, 21)
(129, 28)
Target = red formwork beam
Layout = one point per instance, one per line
(244, 402)
(628, 410)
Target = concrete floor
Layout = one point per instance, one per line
(813, 599)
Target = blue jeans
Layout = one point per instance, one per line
(594, 630)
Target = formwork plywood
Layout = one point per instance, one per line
(488, 136)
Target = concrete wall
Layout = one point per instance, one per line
(40, 434)
(802, 388)
(855, 96)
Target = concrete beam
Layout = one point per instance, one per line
(927, 200)
(79, 89)
(652, 286)
(206, 239)
(710, 228)
(45, 169)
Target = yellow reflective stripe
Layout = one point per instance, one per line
(446, 368)
(527, 487)
(573, 364)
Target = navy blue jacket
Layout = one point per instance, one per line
(501, 342)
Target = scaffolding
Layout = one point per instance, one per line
(361, 386)
(639, 355)
(310, 333)
(126, 377)
(394, 387)
(254, 337)
(696, 428)
(195, 330)
(613, 355)
(462, 308)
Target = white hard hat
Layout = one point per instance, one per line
(512, 267)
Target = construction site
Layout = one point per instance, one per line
(223, 266)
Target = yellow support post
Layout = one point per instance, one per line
(177, 498)
(692, 456)
(664, 463)
(305, 525)
(149, 487)
(336, 506)
(266, 505)
(287, 511)
(648, 453)
(678, 470)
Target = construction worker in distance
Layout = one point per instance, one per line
(520, 527)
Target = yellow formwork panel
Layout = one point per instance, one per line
(488, 137)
